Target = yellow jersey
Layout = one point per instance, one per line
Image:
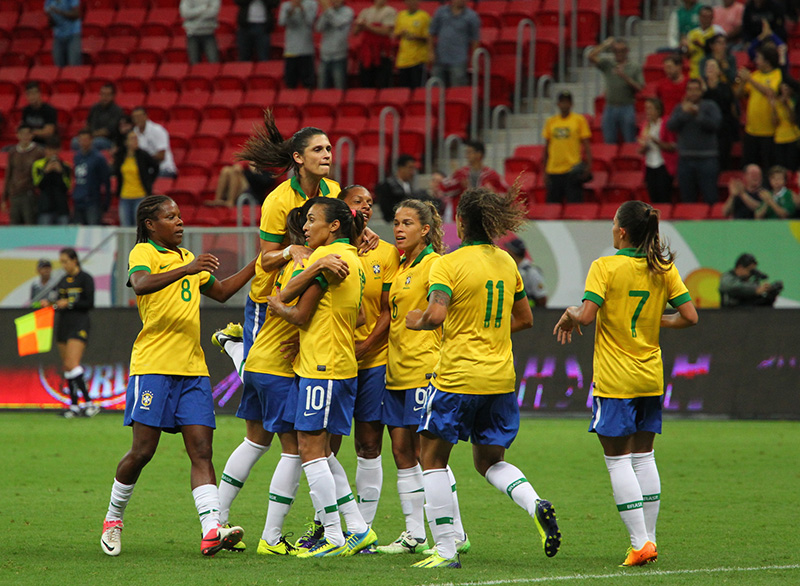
(759, 112)
(276, 207)
(627, 356)
(786, 131)
(132, 187)
(169, 342)
(265, 356)
(412, 52)
(380, 267)
(327, 342)
(483, 283)
(565, 137)
(412, 355)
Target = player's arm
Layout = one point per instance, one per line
(298, 315)
(434, 316)
(223, 290)
(573, 318)
(380, 333)
(143, 282)
(336, 270)
(361, 319)
(521, 315)
(274, 255)
(685, 318)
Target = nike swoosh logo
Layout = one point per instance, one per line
(164, 267)
(307, 414)
(419, 408)
(108, 547)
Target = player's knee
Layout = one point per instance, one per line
(483, 462)
(369, 448)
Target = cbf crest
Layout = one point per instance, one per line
(147, 399)
(376, 269)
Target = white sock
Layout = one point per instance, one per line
(236, 471)
(236, 351)
(439, 507)
(369, 481)
(282, 490)
(345, 499)
(322, 488)
(644, 466)
(206, 499)
(509, 479)
(412, 500)
(120, 495)
(457, 525)
(628, 497)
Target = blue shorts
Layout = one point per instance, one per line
(486, 420)
(404, 408)
(621, 417)
(369, 395)
(168, 402)
(250, 407)
(271, 392)
(316, 404)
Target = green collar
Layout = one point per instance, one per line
(342, 240)
(633, 252)
(160, 248)
(294, 183)
(425, 252)
(476, 243)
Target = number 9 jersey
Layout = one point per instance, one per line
(169, 342)
(627, 356)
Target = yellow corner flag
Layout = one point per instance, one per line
(35, 331)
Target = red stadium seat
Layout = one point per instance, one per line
(597, 186)
(139, 71)
(690, 211)
(215, 128)
(716, 211)
(176, 71)
(165, 99)
(229, 83)
(544, 211)
(580, 211)
(182, 128)
(628, 158)
(607, 210)
(665, 209)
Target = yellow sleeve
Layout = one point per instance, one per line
(678, 294)
(315, 256)
(596, 284)
(440, 278)
(583, 127)
(391, 266)
(546, 131)
(273, 219)
(140, 259)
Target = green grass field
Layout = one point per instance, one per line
(729, 512)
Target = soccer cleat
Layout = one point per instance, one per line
(90, 410)
(283, 547)
(462, 546)
(73, 411)
(111, 539)
(406, 543)
(323, 548)
(640, 557)
(236, 547)
(220, 538)
(314, 532)
(437, 561)
(231, 333)
(356, 542)
(548, 527)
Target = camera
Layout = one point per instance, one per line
(758, 275)
(776, 287)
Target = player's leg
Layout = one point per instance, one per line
(73, 354)
(368, 439)
(240, 463)
(73, 409)
(644, 466)
(282, 492)
(313, 447)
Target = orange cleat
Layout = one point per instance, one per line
(640, 557)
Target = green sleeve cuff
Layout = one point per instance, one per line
(594, 298)
(520, 295)
(680, 299)
(207, 285)
(138, 268)
(271, 237)
(440, 287)
(323, 282)
(297, 272)
(386, 286)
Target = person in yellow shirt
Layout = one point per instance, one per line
(168, 388)
(136, 171)
(326, 369)
(567, 160)
(697, 39)
(787, 132)
(476, 294)
(627, 293)
(411, 28)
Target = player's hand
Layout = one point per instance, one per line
(290, 348)
(369, 241)
(564, 328)
(204, 262)
(413, 319)
(276, 306)
(335, 267)
(62, 304)
(361, 350)
(299, 253)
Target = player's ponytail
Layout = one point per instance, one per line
(148, 210)
(295, 221)
(640, 220)
(428, 215)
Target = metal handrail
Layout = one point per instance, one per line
(524, 24)
(477, 55)
(630, 22)
(429, 85)
(574, 35)
(616, 18)
(541, 83)
(496, 113)
(337, 160)
(447, 146)
(245, 198)
(385, 111)
(561, 45)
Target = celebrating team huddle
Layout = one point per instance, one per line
(345, 331)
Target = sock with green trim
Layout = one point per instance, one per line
(628, 497)
(369, 481)
(322, 488)
(206, 499)
(120, 495)
(457, 526)
(510, 480)
(236, 351)
(282, 490)
(345, 499)
(235, 474)
(644, 465)
(439, 508)
(412, 500)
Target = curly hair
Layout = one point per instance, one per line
(486, 215)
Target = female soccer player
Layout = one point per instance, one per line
(169, 388)
(75, 299)
(627, 293)
(326, 373)
(471, 394)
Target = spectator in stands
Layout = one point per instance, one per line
(681, 21)
(103, 120)
(454, 36)
(757, 12)
(657, 144)
(567, 159)
(234, 180)
(623, 79)
(38, 115)
(400, 186)
(696, 122)
(376, 25)
(787, 132)
(779, 201)
(53, 178)
(65, 19)
(92, 193)
(19, 198)
(767, 37)
(136, 171)
(44, 269)
(334, 23)
(254, 22)
(730, 15)
(745, 285)
(154, 139)
(722, 95)
(759, 86)
(531, 275)
(672, 88)
(474, 174)
(744, 197)
(298, 17)
(718, 51)
(412, 29)
(697, 39)
(200, 22)
(123, 128)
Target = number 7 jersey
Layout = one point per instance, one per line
(627, 355)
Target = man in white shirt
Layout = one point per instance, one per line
(154, 139)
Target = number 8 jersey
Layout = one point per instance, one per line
(169, 342)
(483, 283)
(627, 356)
